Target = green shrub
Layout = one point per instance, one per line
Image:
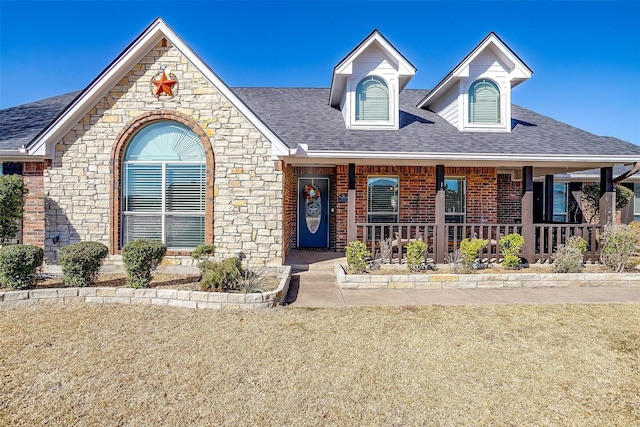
(140, 257)
(510, 247)
(469, 249)
(203, 251)
(12, 192)
(415, 255)
(578, 243)
(18, 266)
(567, 259)
(357, 255)
(81, 262)
(221, 276)
(619, 242)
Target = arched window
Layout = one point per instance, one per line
(484, 102)
(163, 186)
(372, 100)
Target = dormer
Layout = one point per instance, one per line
(366, 84)
(476, 95)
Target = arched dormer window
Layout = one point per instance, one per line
(163, 187)
(484, 102)
(372, 100)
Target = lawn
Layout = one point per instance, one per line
(85, 364)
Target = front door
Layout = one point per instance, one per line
(313, 212)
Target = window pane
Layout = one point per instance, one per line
(372, 101)
(141, 226)
(559, 199)
(454, 195)
(484, 102)
(185, 188)
(143, 188)
(636, 200)
(382, 202)
(184, 231)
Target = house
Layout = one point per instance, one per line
(159, 146)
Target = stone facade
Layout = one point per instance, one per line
(246, 187)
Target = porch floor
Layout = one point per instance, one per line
(313, 284)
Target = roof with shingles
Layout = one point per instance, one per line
(21, 124)
(302, 115)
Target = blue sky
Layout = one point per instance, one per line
(585, 55)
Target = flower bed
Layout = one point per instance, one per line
(487, 279)
(170, 297)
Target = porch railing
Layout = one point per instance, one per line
(398, 235)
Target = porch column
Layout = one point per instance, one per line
(528, 230)
(548, 198)
(351, 205)
(626, 214)
(607, 196)
(441, 238)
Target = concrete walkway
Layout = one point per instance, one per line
(313, 284)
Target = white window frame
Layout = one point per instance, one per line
(163, 213)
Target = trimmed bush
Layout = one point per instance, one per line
(221, 276)
(203, 251)
(619, 242)
(578, 243)
(567, 259)
(357, 255)
(510, 247)
(415, 255)
(18, 266)
(81, 262)
(140, 257)
(469, 249)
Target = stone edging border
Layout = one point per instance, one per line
(486, 280)
(166, 297)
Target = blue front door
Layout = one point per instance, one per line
(313, 212)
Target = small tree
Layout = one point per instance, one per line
(12, 193)
(591, 199)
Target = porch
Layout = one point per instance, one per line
(472, 205)
(388, 242)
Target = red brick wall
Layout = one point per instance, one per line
(289, 210)
(33, 215)
(341, 222)
(417, 193)
(509, 200)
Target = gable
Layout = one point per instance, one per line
(126, 63)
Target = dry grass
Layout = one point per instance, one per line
(479, 365)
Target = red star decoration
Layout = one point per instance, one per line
(163, 85)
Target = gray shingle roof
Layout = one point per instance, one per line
(304, 116)
(299, 115)
(20, 124)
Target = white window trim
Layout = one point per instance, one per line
(505, 119)
(392, 123)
